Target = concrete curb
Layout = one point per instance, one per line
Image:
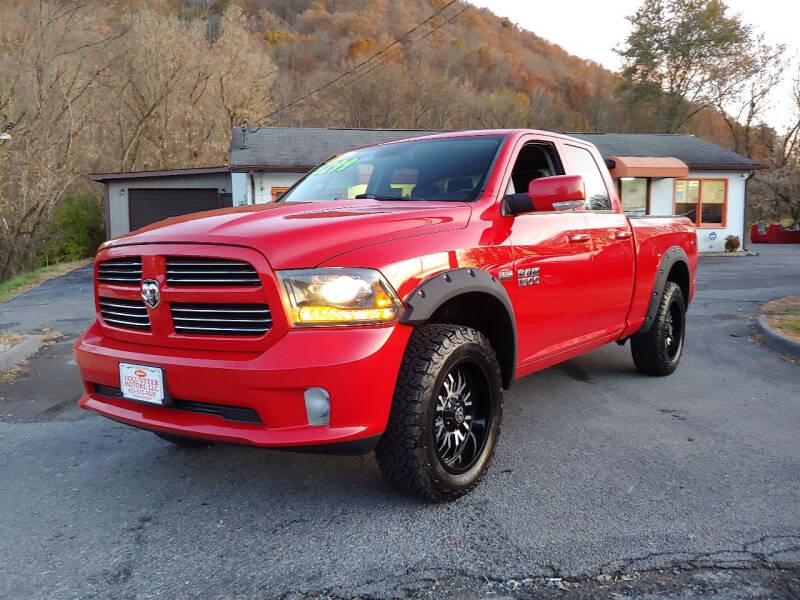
(19, 352)
(737, 254)
(775, 340)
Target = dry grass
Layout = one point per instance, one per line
(14, 373)
(25, 281)
(9, 339)
(783, 315)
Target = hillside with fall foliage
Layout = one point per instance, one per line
(125, 85)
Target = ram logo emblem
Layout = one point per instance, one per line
(151, 293)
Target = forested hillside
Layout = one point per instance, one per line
(122, 85)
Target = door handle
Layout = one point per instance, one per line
(578, 238)
(622, 235)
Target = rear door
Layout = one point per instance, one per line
(146, 206)
(552, 258)
(612, 261)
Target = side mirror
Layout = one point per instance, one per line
(559, 192)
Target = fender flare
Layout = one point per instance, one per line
(434, 292)
(672, 256)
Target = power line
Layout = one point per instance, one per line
(366, 61)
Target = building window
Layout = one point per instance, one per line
(277, 192)
(635, 195)
(704, 201)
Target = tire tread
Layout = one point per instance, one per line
(647, 348)
(401, 453)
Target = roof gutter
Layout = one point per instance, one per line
(753, 167)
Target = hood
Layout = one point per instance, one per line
(301, 235)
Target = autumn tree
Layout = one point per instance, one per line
(677, 53)
(51, 61)
(175, 96)
(776, 191)
(743, 95)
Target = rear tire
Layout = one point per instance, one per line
(658, 351)
(445, 416)
(179, 440)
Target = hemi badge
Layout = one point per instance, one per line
(505, 274)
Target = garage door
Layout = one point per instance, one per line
(151, 205)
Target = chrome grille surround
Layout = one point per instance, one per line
(221, 319)
(128, 314)
(199, 272)
(120, 271)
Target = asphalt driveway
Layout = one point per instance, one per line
(598, 470)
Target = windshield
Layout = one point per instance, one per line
(451, 169)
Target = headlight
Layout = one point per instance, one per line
(324, 297)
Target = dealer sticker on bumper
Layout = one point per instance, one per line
(142, 383)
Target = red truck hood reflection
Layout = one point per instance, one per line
(299, 235)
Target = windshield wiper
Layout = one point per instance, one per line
(379, 197)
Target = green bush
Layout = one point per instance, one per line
(76, 230)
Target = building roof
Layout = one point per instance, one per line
(696, 153)
(302, 148)
(103, 177)
(299, 149)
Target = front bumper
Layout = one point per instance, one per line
(357, 366)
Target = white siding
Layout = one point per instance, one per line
(735, 211)
(662, 203)
(265, 181)
(239, 188)
(661, 194)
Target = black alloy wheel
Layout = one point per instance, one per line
(463, 417)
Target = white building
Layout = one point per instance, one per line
(673, 174)
(655, 174)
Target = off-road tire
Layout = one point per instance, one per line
(651, 353)
(179, 440)
(407, 453)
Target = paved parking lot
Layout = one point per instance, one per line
(599, 469)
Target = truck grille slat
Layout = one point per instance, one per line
(129, 314)
(183, 271)
(120, 271)
(221, 319)
(180, 309)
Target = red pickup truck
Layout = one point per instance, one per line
(385, 301)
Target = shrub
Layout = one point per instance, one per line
(732, 243)
(76, 230)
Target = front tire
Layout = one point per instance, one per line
(658, 351)
(445, 416)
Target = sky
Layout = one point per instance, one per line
(592, 29)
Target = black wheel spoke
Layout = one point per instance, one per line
(461, 417)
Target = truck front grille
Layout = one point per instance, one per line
(130, 314)
(221, 319)
(120, 271)
(190, 271)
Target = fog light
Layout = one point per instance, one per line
(318, 406)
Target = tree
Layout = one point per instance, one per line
(676, 51)
(741, 96)
(776, 191)
(51, 59)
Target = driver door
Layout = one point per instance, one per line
(552, 263)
